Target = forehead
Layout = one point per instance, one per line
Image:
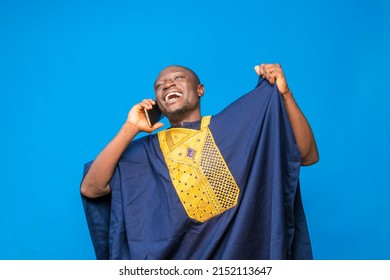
(171, 70)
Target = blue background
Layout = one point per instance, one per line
(71, 70)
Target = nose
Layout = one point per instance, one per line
(169, 83)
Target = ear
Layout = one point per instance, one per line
(200, 90)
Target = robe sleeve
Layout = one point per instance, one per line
(255, 137)
(97, 212)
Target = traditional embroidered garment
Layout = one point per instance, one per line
(250, 191)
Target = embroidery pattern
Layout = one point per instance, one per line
(219, 177)
(201, 178)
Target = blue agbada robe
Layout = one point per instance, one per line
(143, 217)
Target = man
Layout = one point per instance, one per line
(224, 187)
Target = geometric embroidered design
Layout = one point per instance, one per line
(198, 172)
(219, 177)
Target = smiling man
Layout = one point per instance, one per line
(207, 187)
(178, 92)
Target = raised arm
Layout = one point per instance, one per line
(96, 181)
(301, 128)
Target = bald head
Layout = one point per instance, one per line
(180, 68)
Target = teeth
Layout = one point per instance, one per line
(174, 93)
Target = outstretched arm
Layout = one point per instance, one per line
(95, 183)
(301, 128)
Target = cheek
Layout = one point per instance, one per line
(159, 105)
(162, 107)
(159, 98)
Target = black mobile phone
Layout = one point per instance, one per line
(153, 115)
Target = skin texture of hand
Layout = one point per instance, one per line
(137, 118)
(273, 73)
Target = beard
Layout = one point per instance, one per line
(176, 114)
(182, 112)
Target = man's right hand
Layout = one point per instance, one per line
(137, 117)
(96, 181)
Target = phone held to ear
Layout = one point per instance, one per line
(153, 115)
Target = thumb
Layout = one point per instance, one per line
(157, 125)
(257, 69)
(281, 83)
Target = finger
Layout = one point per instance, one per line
(272, 76)
(266, 69)
(258, 69)
(268, 74)
(270, 70)
(271, 79)
(150, 101)
(262, 69)
(282, 84)
(276, 73)
(157, 125)
(272, 67)
(147, 103)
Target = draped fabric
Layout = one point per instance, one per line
(143, 217)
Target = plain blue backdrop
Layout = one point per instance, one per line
(71, 70)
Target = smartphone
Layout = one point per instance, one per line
(153, 115)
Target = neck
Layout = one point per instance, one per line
(182, 121)
(179, 120)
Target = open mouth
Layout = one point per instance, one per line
(172, 97)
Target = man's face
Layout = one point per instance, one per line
(177, 92)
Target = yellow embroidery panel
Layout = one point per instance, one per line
(198, 171)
